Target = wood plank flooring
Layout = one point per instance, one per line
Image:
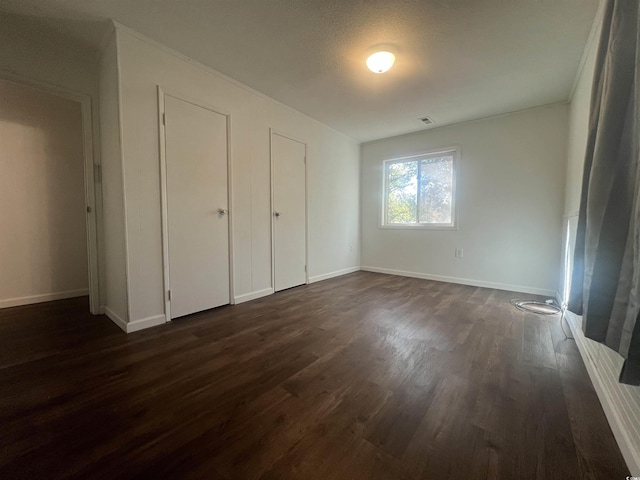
(365, 376)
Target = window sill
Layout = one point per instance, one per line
(418, 227)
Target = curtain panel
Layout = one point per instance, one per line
(605, 286)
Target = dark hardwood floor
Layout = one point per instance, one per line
(365, 376)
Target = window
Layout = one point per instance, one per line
(420, 191)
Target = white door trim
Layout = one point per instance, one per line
(272, 132)
(162, 92)
(92, 195)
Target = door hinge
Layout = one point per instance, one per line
(97, 173)
(305, 269)
(305, 159)
(164, 118)
(88, 209)
(169, 295)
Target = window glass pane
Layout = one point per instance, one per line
(402, 192)
(436, 185)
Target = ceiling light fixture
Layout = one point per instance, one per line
(380, 62)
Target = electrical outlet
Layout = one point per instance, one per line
(459, 253)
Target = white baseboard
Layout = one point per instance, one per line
(252, 296)
(616, 399)
(45, 297)
(114, 317)
(463, 281)
(142, 323)
(337, 273)
(135, 325)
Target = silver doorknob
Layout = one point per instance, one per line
(223, 211)
(276, 214)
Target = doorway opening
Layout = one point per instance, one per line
(48, 250)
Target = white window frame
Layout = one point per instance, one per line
(454, 195)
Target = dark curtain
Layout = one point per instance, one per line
(606, 277)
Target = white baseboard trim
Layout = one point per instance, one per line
(114, 317)
(135, 325)
(143, 323)
(615, 408)
(45, 297)
(252, 296)
(337, 273)
(463, 281)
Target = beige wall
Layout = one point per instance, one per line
(510, 203)
(43, 246)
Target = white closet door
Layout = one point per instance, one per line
(289, 212)
(197, 202)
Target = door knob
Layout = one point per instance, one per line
(223, 211)
(276, 214)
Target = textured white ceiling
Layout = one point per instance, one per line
(456, 59)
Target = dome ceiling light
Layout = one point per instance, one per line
(380, 62)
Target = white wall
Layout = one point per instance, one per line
(113, 248)
(43, 247)
(511, 193)
(578, 131)
(334, 204)
(621, 403)
(333, 175)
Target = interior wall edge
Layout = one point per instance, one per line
(106, 38)
(113, 275)
(591, 39)
(123, 174)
